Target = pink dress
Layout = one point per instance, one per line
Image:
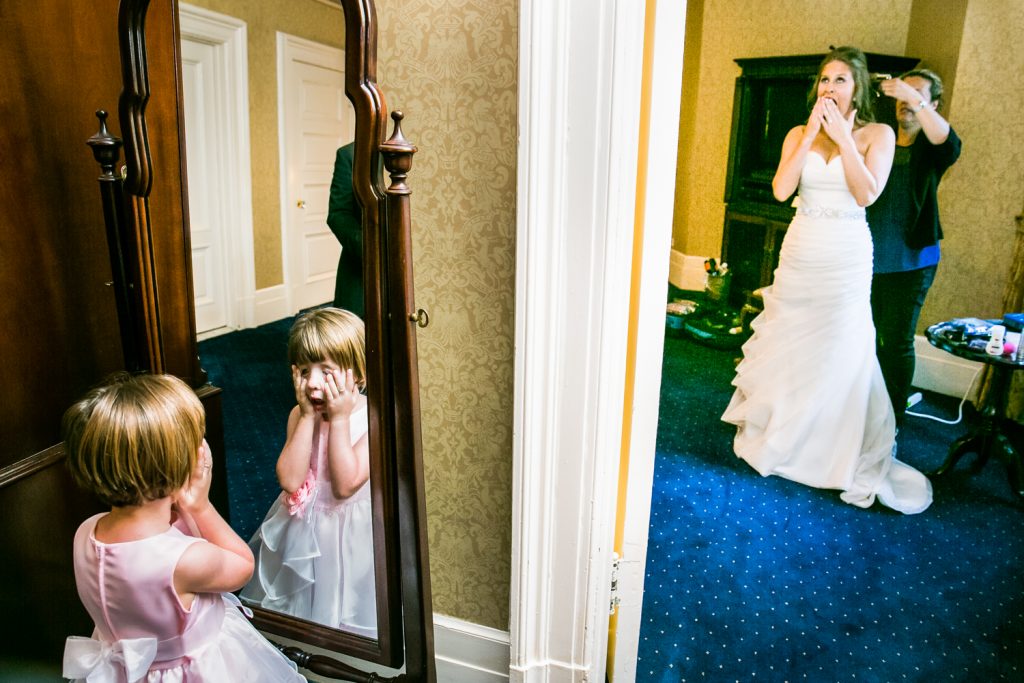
(143, 633)
(314, 552)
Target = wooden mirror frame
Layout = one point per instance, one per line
(399, 529)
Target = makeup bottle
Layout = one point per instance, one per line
(995, 341)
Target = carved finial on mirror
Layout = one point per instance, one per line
(397, 152)
(106, 148)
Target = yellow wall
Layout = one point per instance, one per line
(965, 42)
(983, 192)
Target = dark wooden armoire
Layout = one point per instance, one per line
(63, 331)
(770, 98)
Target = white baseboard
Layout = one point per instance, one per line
(271, 303)
(943, 372)
(687, 272)
(469, 653)
(464, 652)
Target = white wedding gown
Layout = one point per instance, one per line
(810, 403)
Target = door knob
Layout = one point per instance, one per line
(301, 203)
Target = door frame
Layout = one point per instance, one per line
(229, 38)
(664, 40)
(575, 228)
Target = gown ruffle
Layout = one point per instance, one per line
(810, 403)
(316, 563)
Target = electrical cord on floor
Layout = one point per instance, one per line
(960, 408)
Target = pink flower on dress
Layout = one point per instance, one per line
(301, 497)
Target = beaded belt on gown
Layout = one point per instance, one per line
(828, 212)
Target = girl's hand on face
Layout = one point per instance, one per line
(194, 496)
(300, 382)
(341, 393)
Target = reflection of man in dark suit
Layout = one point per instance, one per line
(345, 219)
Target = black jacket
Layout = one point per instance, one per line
(344, 218)
(928, 163)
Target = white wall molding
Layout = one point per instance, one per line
(228, 36)
(668, 27)
(580, 64)
(464, 652)
(469, 653)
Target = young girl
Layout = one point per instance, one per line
(314, 550)
(158, 596)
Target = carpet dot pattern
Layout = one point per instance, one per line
(754, 578)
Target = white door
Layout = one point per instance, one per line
(204, 173)
(216, 112)
(316, 118)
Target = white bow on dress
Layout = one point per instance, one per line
(96, 661)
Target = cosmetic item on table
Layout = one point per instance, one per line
(996, 341)
(1014, 322)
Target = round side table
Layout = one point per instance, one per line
(987, 437)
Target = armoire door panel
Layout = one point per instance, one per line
(62, 333)
(59, 315)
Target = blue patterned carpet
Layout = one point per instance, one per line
(762, 579)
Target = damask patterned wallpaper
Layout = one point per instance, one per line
(451, 67)
(983, 192)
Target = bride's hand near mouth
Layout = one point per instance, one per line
(814, 120)
(837, 127)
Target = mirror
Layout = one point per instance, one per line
(303, 568)
(341, 564)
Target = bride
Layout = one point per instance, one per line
(810, 403)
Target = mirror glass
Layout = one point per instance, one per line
(297, 448)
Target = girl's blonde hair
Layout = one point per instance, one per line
(329, 334)
(134, 439)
